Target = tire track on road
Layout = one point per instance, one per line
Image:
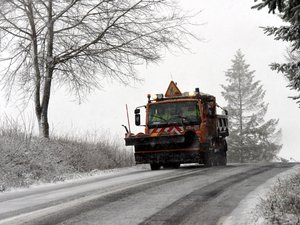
(58, 211)
(179, 211)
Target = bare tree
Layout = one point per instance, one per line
(73, 43)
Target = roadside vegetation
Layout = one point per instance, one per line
(26, 159)
(282, 204)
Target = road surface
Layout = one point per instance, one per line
(188, 195)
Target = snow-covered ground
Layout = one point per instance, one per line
(81, 178)
(246, 212)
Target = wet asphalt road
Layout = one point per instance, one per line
(189, 195)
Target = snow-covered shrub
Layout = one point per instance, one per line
(23, 163)
(26, 159)
(282, 205)
(88, 153)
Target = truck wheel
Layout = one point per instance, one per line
(166, 165)
(209, 159)
(171, 165)
(175, 165)
(223, 154)
(223, 159)
(154, 166)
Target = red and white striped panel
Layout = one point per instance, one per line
(169, 130)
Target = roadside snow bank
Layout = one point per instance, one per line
(246, 212)
(80, 177)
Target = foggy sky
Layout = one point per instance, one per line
(227, 25)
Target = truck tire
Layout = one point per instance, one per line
(172, 165)
(223, 154)
(175, 165)
(222, 159)
(154, 166)
(209, 160)
(215, 159)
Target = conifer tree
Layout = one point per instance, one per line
(251, 138)
(289, 12)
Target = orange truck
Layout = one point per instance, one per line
(180, 128)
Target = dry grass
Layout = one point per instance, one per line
(282, 205)
(26, 159)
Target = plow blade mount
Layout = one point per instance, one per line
(147, 140)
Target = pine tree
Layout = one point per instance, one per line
(289, 12)
(251, 138)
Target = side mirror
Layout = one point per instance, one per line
(211, 109)
(137, 119)
(137, 111)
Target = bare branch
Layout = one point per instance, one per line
(60, 14)
(77, 43)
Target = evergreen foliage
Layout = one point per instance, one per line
(289, 12)
(251, 138)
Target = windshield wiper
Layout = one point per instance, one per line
(159, 117)
(183, 119)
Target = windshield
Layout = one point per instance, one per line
(182, 113)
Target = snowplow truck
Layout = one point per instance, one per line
(180, 128)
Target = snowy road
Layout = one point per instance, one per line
(189, 195)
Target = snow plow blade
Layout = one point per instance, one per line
(147, 140)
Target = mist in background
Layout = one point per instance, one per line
(226, 26)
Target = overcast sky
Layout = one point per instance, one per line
(228, 25)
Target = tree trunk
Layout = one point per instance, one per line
(44, 126)
(241, 121)
(43, 120)
(43, 123)
(42, 114)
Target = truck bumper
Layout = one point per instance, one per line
(166, 149)
(169, 154)
(152, 141)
